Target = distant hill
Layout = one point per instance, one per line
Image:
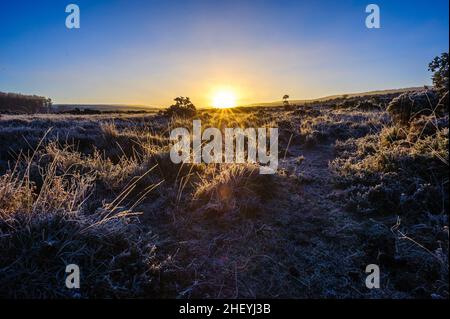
(331, 97)
(126, 108)
(102, 107)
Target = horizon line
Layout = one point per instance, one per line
(374, 91)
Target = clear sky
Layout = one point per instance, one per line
(148, 52)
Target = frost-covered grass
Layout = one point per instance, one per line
(100, 191)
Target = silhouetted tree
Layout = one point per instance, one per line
(285, 99)
(182, 107)
(19, 103)
(439, 67)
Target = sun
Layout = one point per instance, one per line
(223, 99)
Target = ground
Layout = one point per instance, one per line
(100, 191)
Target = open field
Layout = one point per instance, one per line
(355, 186)
(222, 157)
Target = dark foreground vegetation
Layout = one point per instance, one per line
(362, 180)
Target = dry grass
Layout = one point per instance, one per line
(70, 187)
(44, 229)
(402, 173)
(235, 190)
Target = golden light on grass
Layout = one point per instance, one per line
(224, 98)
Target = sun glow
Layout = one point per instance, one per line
(224, 99)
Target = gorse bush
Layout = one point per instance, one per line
(367, 105)
(183, 107)
(408, 106)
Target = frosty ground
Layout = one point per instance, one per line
(355, 186)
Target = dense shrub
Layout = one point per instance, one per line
(412, 105)
(367, 105)
(183, 107)
(347, 104)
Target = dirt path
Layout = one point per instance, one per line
(320, 231)
(303, 245)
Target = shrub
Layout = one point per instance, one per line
(183, 107)
(367, 105)
(347, 103)
(412, 105)
(426, 126)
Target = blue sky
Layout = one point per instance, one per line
(147, 52)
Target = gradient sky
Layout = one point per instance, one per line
(148, 52)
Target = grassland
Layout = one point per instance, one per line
(355, 186)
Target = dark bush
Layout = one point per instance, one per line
(412, 105)
(183, 107)
(367, 105)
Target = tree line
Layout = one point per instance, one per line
(20, 103)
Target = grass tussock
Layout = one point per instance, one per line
(236, 190)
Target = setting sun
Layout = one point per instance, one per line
(224, 99)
